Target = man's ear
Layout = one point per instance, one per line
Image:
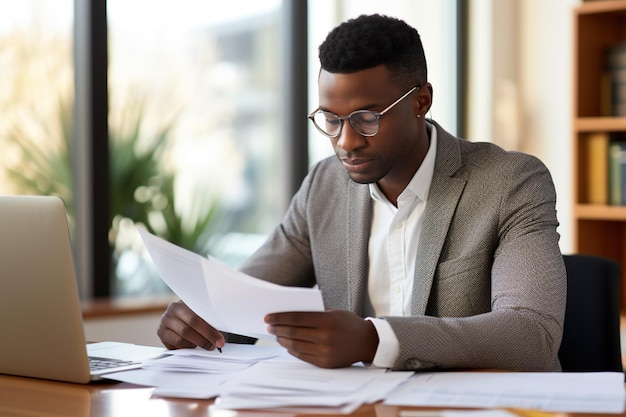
(424, 99)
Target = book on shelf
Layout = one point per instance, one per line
(597, 162)
(613, 82)
(617, 173)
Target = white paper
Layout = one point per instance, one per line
(233, 358)
(227, 299)
(196, 373)
(291, 376)
(592, 392)
(174, 384)
(385, 384)
(261, 377)
(284, 384)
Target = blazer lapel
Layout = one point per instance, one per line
(359, 220)
(444, 195)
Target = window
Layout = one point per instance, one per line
(36, 98)
(194, 129)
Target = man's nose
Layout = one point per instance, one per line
(349, 139)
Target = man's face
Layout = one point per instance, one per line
(392, 155)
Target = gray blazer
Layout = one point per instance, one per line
(490, 283)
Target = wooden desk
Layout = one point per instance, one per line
(33, 397)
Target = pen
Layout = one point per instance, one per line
(219, 349)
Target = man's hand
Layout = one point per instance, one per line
(330, 339)
(182, 328)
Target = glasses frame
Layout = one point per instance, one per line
(341, 119)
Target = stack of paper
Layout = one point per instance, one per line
(196, 373)
(233, 358)
(288, 383)
(253, 376)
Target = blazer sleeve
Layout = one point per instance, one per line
(322, 239)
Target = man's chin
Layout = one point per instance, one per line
(362, 179)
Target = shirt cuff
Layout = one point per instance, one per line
(388, 345)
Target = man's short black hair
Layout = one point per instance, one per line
(371, 40)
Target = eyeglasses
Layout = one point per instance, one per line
(365, 122)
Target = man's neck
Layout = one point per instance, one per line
(392, 187)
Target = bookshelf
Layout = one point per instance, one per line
(599, 224)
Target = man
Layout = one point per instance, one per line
(430, 251)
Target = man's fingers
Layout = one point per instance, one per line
(180, 327)
(295, 318)
(328, 339)
(172, 340)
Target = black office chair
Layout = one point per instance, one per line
(591, 333)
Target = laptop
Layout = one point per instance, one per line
(40, 315)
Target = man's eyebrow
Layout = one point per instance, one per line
(366, 107)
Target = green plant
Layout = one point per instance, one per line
(140, 189)
(44, 170)
(148, 196)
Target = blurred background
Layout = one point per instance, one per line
(189, 117)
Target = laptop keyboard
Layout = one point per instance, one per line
(100, 364)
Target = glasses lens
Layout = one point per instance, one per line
(327, 122)
(365, 122)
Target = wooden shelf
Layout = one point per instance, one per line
(595, 124)
(598, 229)
(598, 212)
(606, 6)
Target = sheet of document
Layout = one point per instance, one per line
(197, 385)
(597, 392)
(233, 358)
(236, 352)
(226, 298)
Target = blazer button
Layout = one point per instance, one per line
(416, 364)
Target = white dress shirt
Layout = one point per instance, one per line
(393, 242)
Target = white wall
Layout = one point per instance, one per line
(520, 92)
(546, 69)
